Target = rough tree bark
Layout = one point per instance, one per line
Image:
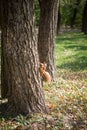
(0, 15)
(4, 19)
(47, 33)
(20, 61)
(84, 19)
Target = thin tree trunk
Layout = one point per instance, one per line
(84, 19)
(74, 13)
(58, 19)
(47, 32)
(20, 58)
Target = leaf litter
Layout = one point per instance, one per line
(66, 100)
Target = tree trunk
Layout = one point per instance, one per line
(84, 19)
(20, 61)
(0, 15)
(58, 19)
(47, 32)
(4, 19)
(75, 10)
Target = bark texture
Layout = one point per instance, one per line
(84, 19)
(20, 62)
(4, 19)
(47, 32)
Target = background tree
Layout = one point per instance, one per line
(84, 19)
(20, 62)
(58, 19)
(47, 32)
(66, 9)
(75, 10)
(71, 12)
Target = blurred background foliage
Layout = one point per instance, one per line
(68, 8)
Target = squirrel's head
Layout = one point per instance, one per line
(43, 66)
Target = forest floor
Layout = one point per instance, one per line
(66, 98)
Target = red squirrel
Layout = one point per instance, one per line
(45, 75)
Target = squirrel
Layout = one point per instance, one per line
(45, 75)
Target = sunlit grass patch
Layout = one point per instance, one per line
(71, 51)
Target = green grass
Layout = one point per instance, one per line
(71, 51)
(68, 95)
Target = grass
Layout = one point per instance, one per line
(66, 98)
(69, 93)
(71, 51)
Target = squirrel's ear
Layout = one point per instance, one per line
(41, 64)
(45, 64)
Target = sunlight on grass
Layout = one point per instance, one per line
(71, 51)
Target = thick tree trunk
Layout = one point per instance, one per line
(20, 62)
(0, 15)
(4, 19)
(84, 19)
(47, 32)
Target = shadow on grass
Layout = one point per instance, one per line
(77, 44)
(71, 37)
(77, 47)
(76, 65)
